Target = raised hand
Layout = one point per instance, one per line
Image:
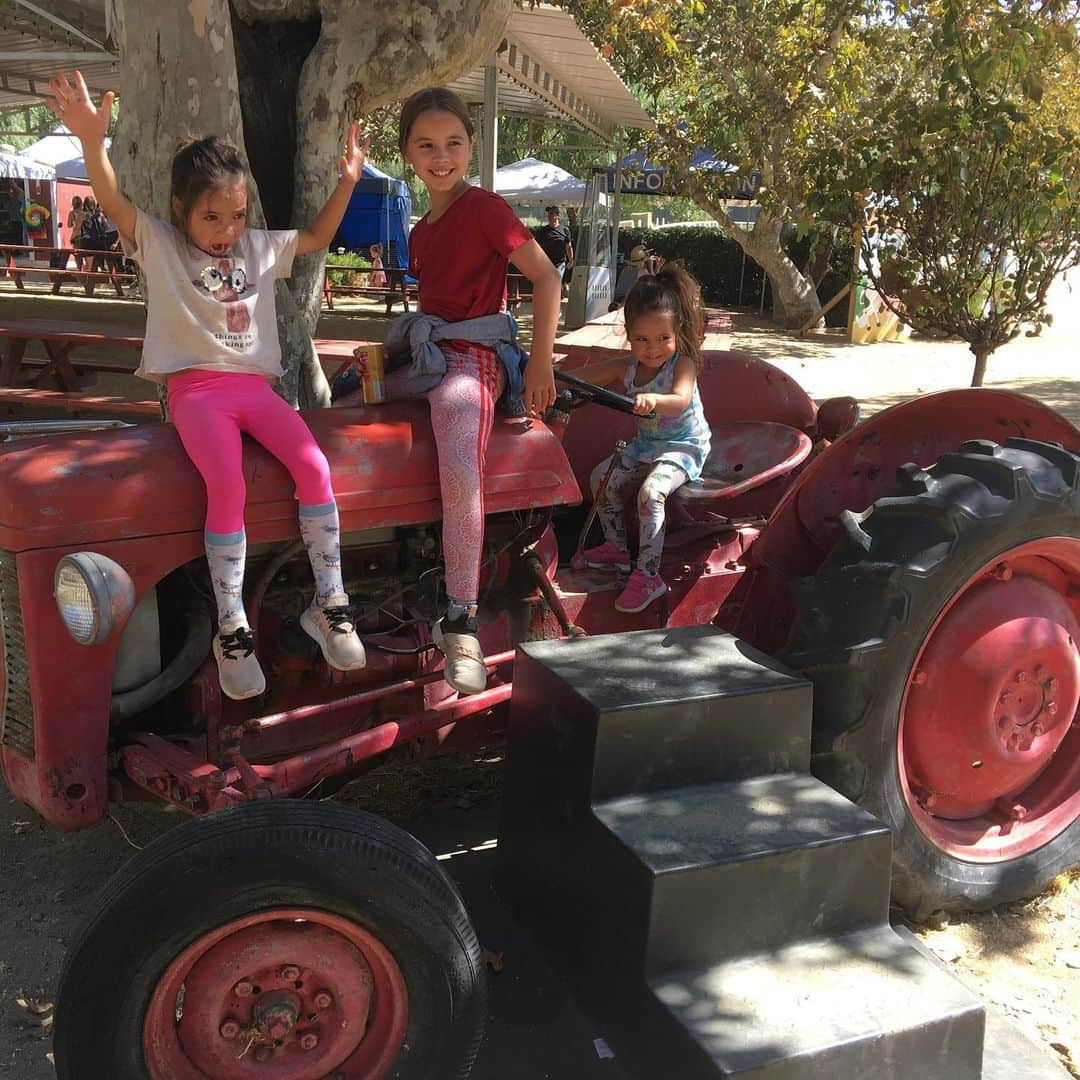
(72, 105)
(351, 163)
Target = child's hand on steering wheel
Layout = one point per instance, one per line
(644, 404)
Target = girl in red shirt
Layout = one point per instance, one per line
(458, 252)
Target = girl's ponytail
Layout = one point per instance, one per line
(673, 289)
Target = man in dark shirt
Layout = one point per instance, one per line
(555, 240)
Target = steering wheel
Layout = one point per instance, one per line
(599, 395)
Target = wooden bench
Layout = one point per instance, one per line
(58, 341)
(396, 291)
(89, 279)
(15, 402)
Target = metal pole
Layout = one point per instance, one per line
(490, 122)
(742, 275)
(617, 213)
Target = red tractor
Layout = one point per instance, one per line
(921, 568)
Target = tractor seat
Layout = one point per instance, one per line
(745, 455)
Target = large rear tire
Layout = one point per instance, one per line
(942, 636)
(286, 939)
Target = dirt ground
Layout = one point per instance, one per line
(1022, 959)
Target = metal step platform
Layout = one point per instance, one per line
(719, 910)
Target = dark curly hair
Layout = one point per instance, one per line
(672, 290)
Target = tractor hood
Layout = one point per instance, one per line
(114, 485)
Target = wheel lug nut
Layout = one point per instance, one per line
(1003, 572)
(1004, 697)
(323, 999)
(243, 988)
(1021, 676)
(290, 972)
(229, 1029)
(1051, 684)
(1037, 728)
(919, 678)
(1051, 708)
(309, 1040)
(1014, 741)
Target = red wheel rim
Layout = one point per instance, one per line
(286, 994)
(988, 744)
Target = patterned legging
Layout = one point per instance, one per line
(658, 480)
(462, 415)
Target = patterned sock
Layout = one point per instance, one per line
(321, 533)
(460, 609)
(226, 554)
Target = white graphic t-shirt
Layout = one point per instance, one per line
(210, 313)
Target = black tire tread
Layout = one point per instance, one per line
(853, 615)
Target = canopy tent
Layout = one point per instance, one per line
(378, 213)
(16, 167)
(61, 150)
(643, 177)
(534, 181)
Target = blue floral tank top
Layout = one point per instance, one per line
(684, 439)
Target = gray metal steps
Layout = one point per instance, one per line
(719, 910)
(749, 865)
(862, 1006)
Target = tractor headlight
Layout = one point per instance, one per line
(93, 595)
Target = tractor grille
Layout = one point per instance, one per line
(16, 706)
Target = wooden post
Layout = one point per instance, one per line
(856, 238)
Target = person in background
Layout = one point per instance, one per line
(378, 273)
(640, 261)
(554, 240)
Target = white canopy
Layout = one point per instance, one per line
(62, 151)
(533, 181)
(16, 167)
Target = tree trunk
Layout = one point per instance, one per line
(982, 355)
(795, 298)
(304, 69)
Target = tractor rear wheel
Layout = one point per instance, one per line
(286, 939)
(941, 636)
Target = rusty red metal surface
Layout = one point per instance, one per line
(988, 750)
(747, 455)
(860, 468)
(105, 486)
(288, 992)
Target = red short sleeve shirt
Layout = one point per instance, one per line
(460, 260)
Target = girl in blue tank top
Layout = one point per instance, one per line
(665, 328)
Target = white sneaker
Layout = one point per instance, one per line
(239, 672)
(333, 628)
(465, 670)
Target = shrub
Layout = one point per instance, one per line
(717, 262)
(343, 268)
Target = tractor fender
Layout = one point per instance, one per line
(858, 469)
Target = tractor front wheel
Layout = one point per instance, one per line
(942, 639)
(284, 939)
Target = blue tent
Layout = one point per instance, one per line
(378, 213)
(643, 177)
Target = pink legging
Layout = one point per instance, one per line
(210, 409)
(462, 415)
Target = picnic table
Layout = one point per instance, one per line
(59, 340)
(57, 270)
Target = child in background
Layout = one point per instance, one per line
(211, 337)
(378, 275)
(461, 352)
(665, 328)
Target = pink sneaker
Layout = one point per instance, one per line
(641, 590)
(607, 557)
